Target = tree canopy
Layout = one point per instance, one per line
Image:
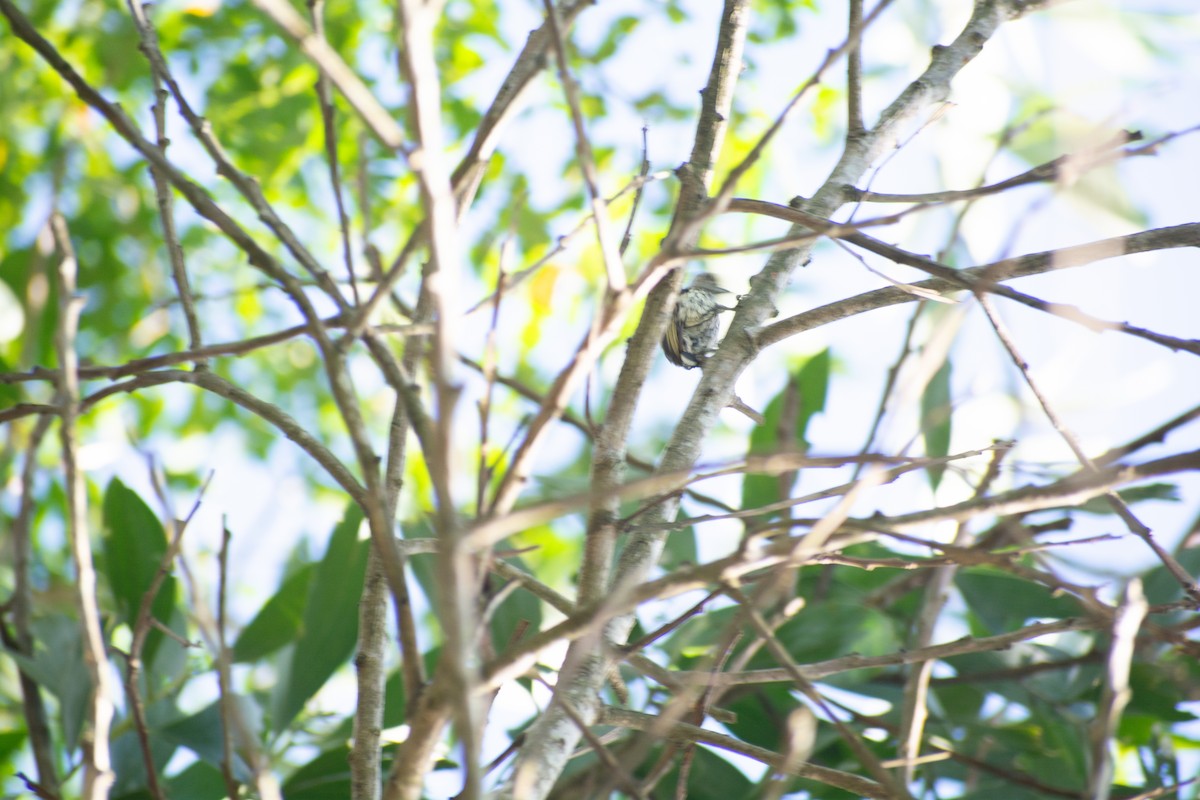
(341, 457)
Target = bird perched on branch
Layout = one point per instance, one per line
(692, 334)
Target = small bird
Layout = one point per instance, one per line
(692, 334)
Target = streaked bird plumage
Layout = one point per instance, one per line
(696, 326)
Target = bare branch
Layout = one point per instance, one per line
(794, 552)
(365, 767)
(227, 699)
(162, 189)
(1118, 505)
(998, 271)
(237, 348)
(376, 117)
(98, 774)
(316, 9)
(1116, 692)
(854, 112)
(852, 739)
(440, 292)
(143, 623)
(21, 607)
(684, 732)
(587, 163)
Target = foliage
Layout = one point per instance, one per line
(320, 540)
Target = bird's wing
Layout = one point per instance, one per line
(671, 343)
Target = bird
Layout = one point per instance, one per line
(695, 326)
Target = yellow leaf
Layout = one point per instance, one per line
(541, 289)
(202, 8)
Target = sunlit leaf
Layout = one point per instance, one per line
(134, 546)
(936, 419)
(785, 428)
(330, 624)
(278, 621)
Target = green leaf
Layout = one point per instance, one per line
(330, 626)
(617, 32)
(326, 777)
(813, 380)
(278, 621)
(1156, 695)
(1167, 492)
(57, 664)
(202, 733)
(127, 760)
(395, 701)
(698, 635)
(1068, 684)
(713, 778)
(134, 545)
(679, 550)
(1004, 602)
(1162, 586)
(9, 394)
(759, 490)
(200, 781)
(1103, 189)
(520, 610)
(1063, 750)
(998, 789)
(835, 628)
(762, 714)
(784, 428)
(957, 702)
(935, 420)
(10, 743)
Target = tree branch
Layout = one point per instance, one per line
(685, 732)
(98, 774)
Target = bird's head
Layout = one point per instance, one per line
(707, 282)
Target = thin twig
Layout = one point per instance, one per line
(459, 576)
(1118, 505)
(644, 176)
(162, 189)
(236, 348)
(227, 697)
(889, 385)
(331, 65)
(916, 688)
(1155, 436)
(619, 773)
(21, 605)
(684, 732)
(143, 623)
(1104, 153)
(1068, 492)
(515, 279)
(986, 277)
(587, 163)
(967, 645)
(852, 739)
(485, 402)
(725, 193)
(1115, 694)
(98, 775)
(316, 9)
(247, 186)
